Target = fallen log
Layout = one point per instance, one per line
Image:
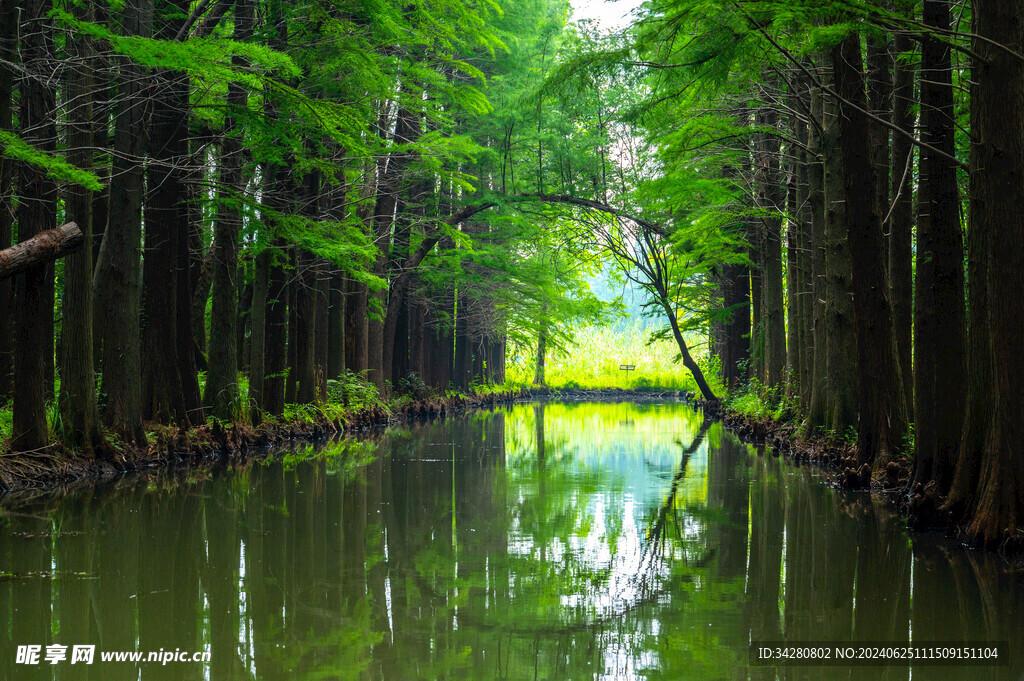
(42, 248)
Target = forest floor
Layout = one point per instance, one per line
(23, 474)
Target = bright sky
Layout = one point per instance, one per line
(609, 15)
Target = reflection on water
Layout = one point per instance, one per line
(546, 541)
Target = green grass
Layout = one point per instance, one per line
(6, 423)
(593, 362)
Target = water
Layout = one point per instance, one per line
(546, 541)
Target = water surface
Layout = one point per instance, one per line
(544, 541)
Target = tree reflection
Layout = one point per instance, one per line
(546, 541)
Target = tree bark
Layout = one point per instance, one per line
(322, 339)
(842, 385)
(8, 57)
(880, 87)
(44, 247)
(998, 143)
(770, 199)
(118, 278)
(163, 394)
(305, 329)
(77, 398)
(542, 347)
(356, 325)
(257, 343)
(901, 220)
(276, 361)
(37, 212)
(939, 315)
(222, 378)
(882, 413)
(336, 323)
(817, 410)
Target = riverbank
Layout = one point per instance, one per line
(922, 506)
(57, 465)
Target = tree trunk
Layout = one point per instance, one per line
(202, 270)
(276, 360)
(900, 225)
(291, 384)
(41, 249)
(322, 339)
(882, 411)
(77, 398)
(793, 345)
(770, 199)
(817, 410)
(37, 212)
(688, 361)
(336, 323)
(841, 393)
(242, 330)
(257, 342)
(542, 348)
(463, 362)
(8, 56)
(305, 329)
(880, 86)
(118, 278)
(939, 316)
(998, 143)
(417, 336)
(444, 352)
(356, 324)
(222, 378)
(163, 395)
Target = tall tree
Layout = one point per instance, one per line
(900, 224)
(997, 164)
(8, 57)
(771, 197)
(882, 409)
(939, 316)
(163, 383)
(118, 277)
(37, 211)
(77, 398)
(222, 379)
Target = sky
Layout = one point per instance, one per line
(610, 15)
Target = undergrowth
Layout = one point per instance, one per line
(348, 394)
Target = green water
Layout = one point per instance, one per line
(545, 541)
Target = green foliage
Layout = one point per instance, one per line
(56, 168)
(351, 390)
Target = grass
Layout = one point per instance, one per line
(593, 362)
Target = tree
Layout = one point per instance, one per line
(882, 410)
(939, 316)
(117, 281)
(996, 506)
(222, 381)
(77, 398)
(37, 212)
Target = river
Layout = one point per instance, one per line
(557, 540)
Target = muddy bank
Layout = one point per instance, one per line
(837, 457)
(922, 506)
(23, 474)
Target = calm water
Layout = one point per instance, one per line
(546, 541)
